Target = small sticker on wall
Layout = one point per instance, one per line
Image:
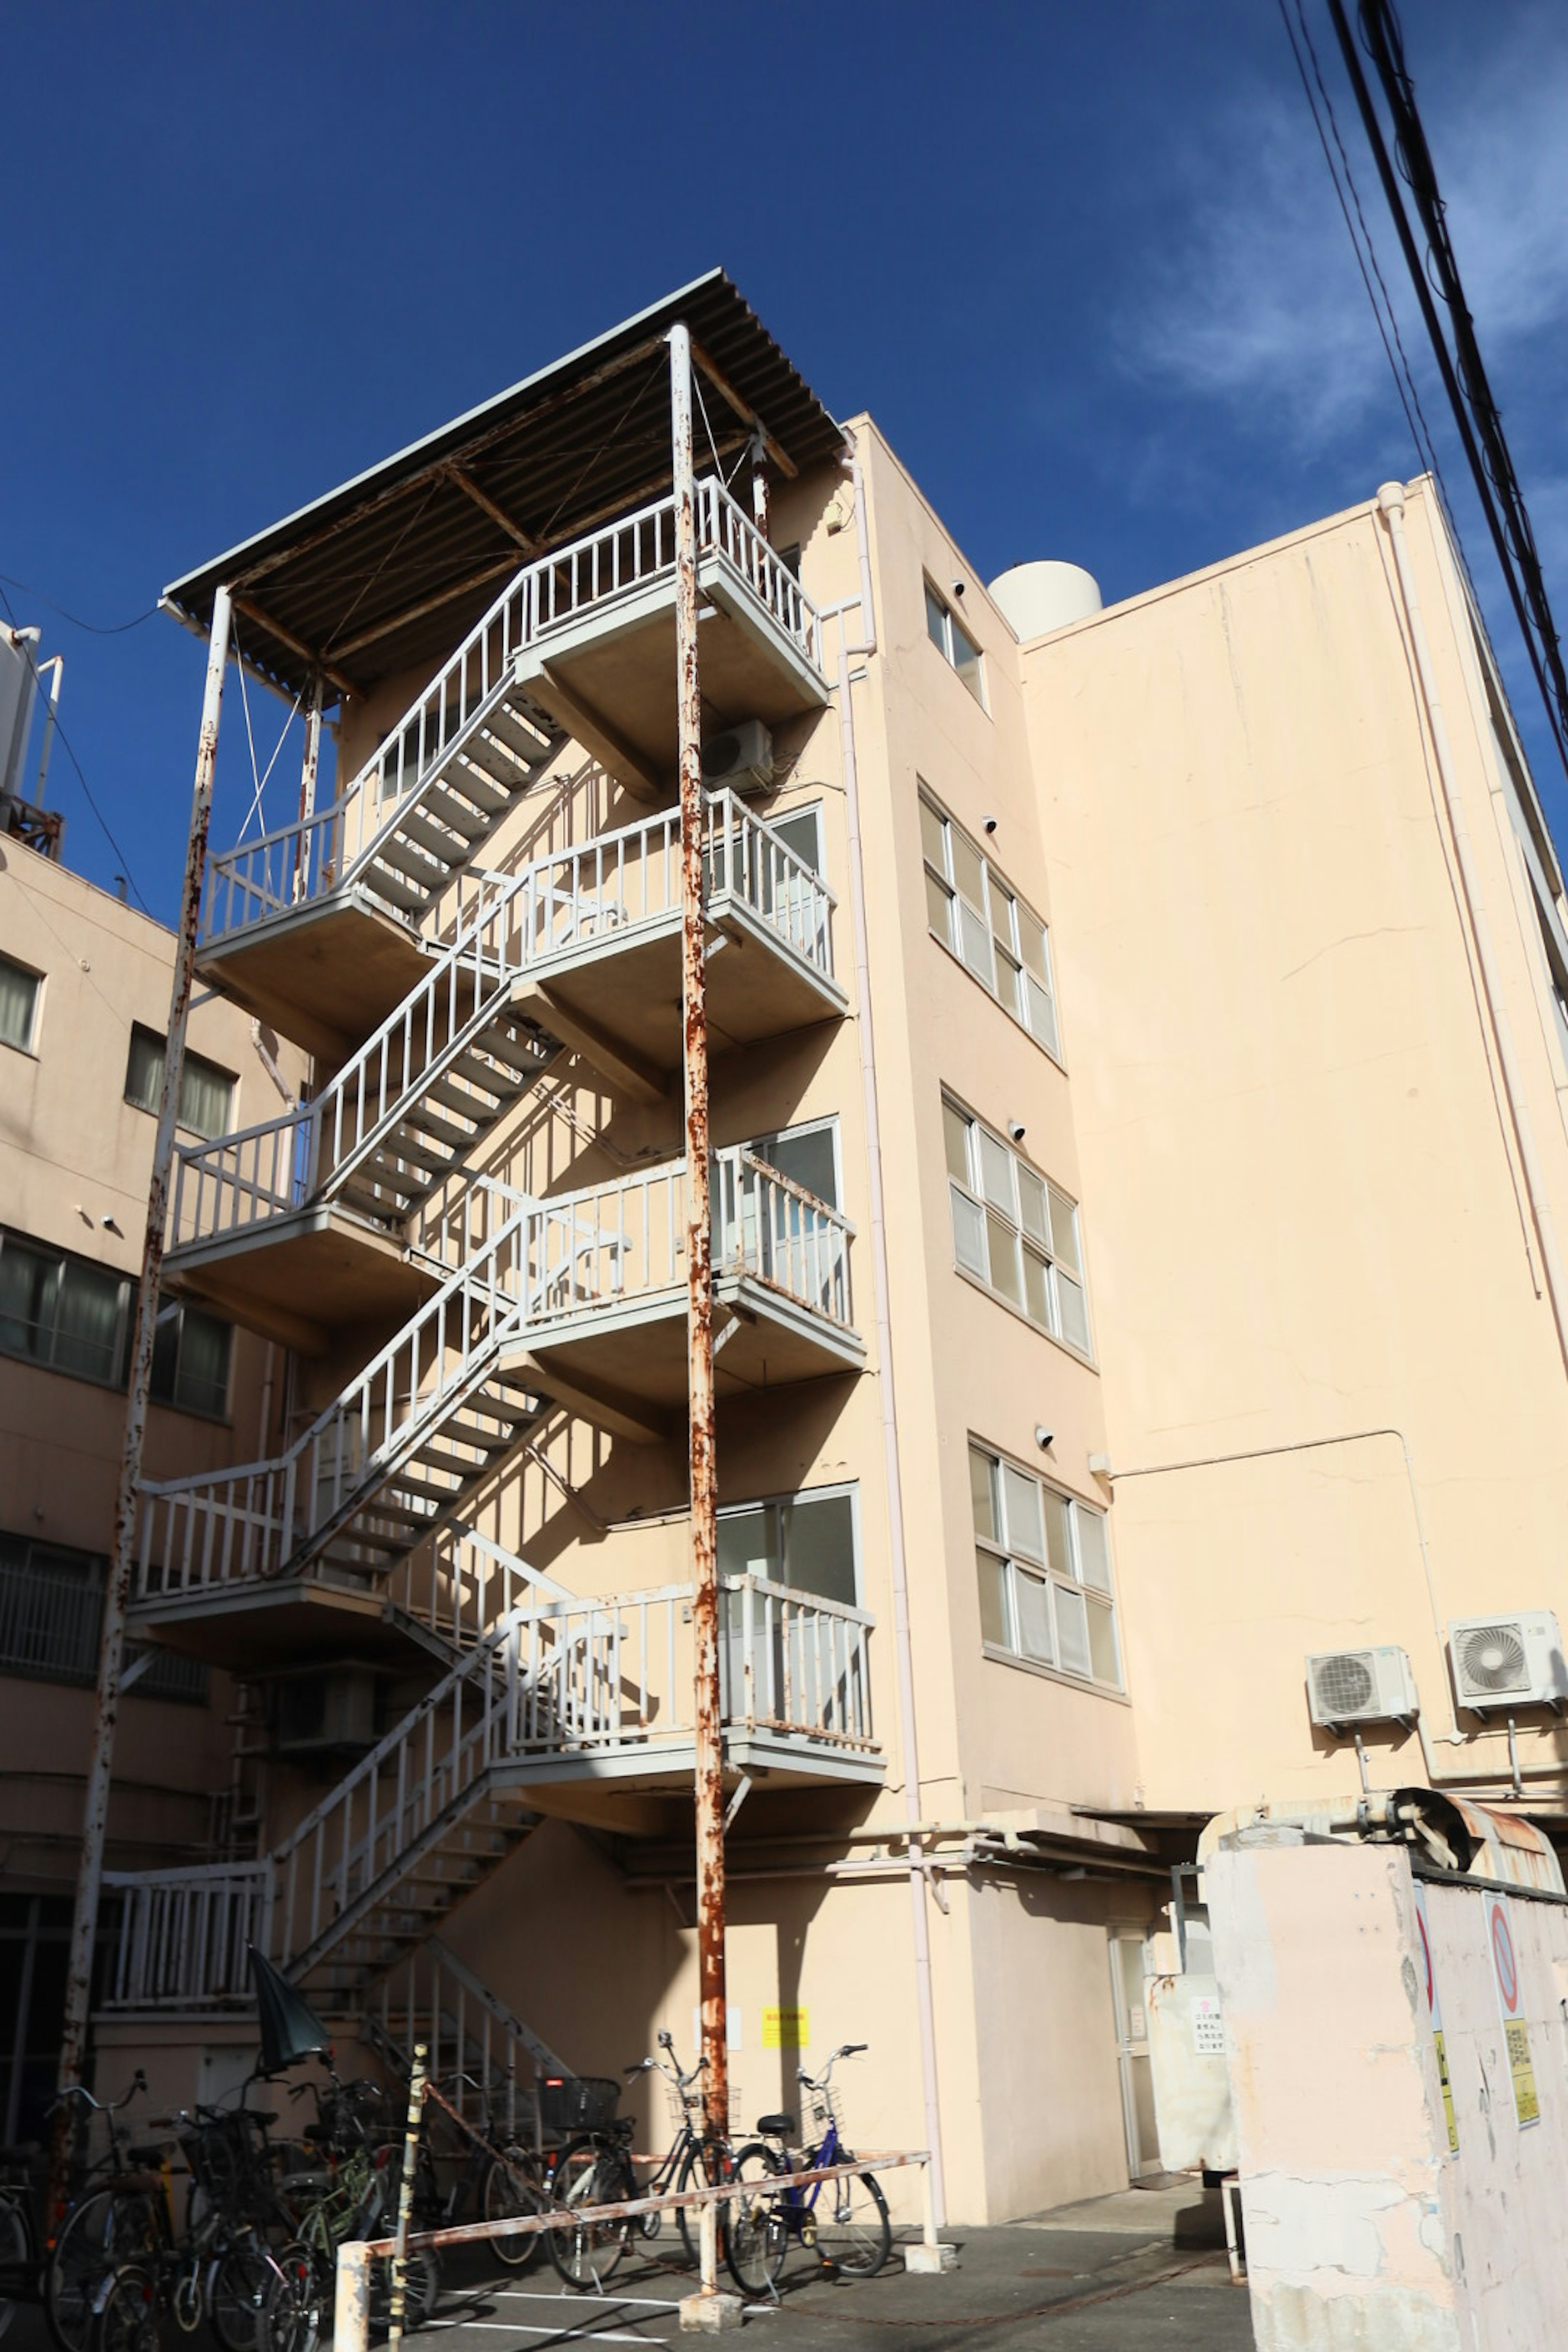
(786, 2029)
(733, 2040)
(1208, 2027)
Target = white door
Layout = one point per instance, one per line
(1132, 2059)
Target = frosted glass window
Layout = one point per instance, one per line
(982, 919)
(1042, 1564)
(952, 641)
(18, 1004)
(1014, 1231)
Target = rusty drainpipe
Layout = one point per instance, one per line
(90, 1873)
(699, 1271)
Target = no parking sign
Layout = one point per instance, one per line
(1515, 2032)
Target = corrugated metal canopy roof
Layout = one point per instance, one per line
(387, 572)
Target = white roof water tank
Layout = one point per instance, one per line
(1035, 597)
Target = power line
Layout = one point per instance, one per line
(76, 764)
(119, 629)
(1464, 375)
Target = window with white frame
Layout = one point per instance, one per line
(954, 642)
(972, 910)
(1013, 1229)
(19, 990)
(206, 1092)
(806, 1541)
(1043, 1560)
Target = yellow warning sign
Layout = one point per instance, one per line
(786, 2029)
(1526, 2104)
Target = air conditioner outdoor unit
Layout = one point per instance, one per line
(330, 1709)
(1504, 1663)
(741, 756)
(1361, 1686)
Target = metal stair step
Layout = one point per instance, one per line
(487, 797)
(446, 805)
(415, 860)
(423, 825)
(419, 1119)
(526, 730)
(388, 884)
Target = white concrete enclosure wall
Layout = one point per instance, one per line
(1370, 2227)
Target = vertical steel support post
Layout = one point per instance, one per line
(90, 1873)
(308, 767)
(760, 484)
(405, 2193)
(699, 1269)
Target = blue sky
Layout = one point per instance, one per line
(1084, 265)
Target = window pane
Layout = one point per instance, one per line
(1075, 1313)
(86, 1321)
(955, 1136)
(747, 1542)
(965, 657)
(974, 943)
(18, 1001)
(1034, 1616)
(818, 1544)
(206, 1095)
(1036, 1289)
(1032, 1206)
(933, 837)
(1042, 1013)
(936, 622)
(1002, 907)
(1064, 1231)
(1093, 1551)
(802, 832)
(997, 1172)
(968, 869)
(1002, 1252)
(1007, 984)
(166, 1355)
(145, 1070)
(1072, 1629)
(968, 1232)
(28, 1283)
(982, 1493)
(1021, 1496)
(1032, 946)
(1058, 1550)
(993, 1575)
(939, 906)
(1103, 1663)
(202, 1380)
(809, 1158)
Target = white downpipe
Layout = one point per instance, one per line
(1391, 503)
(924, 2002)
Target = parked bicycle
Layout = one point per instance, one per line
(844, 2221)
(482, 2171)
(595, 2166)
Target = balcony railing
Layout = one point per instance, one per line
(305, 860)
(610, 888)
(183, 1936)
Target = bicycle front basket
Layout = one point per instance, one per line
(571, 2103)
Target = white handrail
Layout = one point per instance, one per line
(563, 904)
(333, 848)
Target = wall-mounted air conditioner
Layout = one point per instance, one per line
(325, 1710)
(741, 758)
(1348, 1687)
(1503, 1662)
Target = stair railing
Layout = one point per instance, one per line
(459, 1586)
(181, 1936)
(214, 1528)
(264, 877)
(471, 2038)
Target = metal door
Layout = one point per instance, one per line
(1132, 2059)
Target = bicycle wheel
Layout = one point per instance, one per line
(756, 2225)
(290, 2319)
(421, 2286)
(131, 2314)
(853, 2232)
(15, 2258)
(510, 2186)
(698, 2171)
(242, 2278)
(108, 2228)
(585, 2253)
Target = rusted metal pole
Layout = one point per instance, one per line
(308, 767)
(90, 1873)
(406, 2196)
(699, 1269)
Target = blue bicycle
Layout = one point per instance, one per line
(843, 2222)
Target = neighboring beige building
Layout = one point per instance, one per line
(84, 998)
(1202, 1134)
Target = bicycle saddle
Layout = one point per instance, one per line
(776, 2127)
(150, 2158)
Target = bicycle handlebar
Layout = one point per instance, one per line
(109, 2107)
(820, 2081)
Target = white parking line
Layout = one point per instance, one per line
(571, 2295)
(525, 2327)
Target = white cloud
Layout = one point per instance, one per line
(1263, 310)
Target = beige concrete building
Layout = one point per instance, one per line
(1193, 1307)
(84, 1000)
